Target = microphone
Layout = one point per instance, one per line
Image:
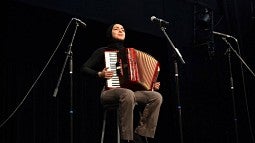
(161, 22)
(81, 22)
(222, 34)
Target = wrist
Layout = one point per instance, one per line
(99, 74)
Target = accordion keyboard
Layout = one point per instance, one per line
(110, 62)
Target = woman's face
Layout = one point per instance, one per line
(118, 32)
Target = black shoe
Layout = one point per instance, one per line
(139, 139)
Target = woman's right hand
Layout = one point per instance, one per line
(105, 73)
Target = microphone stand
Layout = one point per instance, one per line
(240, 58)
(176, 80)
(243, 62)
(232, 87)
(70, 57)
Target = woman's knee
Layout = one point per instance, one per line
(158, 97)
(127, 94)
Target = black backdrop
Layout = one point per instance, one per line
(35, 28)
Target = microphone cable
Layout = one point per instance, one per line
(39, 76)
(245, 95)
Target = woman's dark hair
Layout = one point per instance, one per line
(109, 33)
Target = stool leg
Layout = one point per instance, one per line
(118, 127)
(103, 128)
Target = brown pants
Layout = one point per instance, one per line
(127, 100)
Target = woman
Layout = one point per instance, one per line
(126, 98)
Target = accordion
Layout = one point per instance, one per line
(132, 68)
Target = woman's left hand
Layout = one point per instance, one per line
(156, 85)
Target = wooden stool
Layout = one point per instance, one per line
(106, 108)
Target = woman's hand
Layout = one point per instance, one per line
(105, 73)
(156, 85)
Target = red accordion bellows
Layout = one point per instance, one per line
(133, 69)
